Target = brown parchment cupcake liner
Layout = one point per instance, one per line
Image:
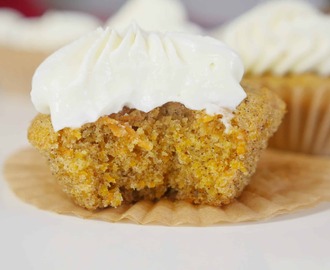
(284, 182)
(306, 126)
(17, 68)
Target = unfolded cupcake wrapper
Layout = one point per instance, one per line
(306, 126)
(284, 182)
(17, 68)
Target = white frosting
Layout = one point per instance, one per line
(104, 71)
(281, 37)
(153, 15)
(8, 17)
(48, 32)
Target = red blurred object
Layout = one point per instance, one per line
(29, 8)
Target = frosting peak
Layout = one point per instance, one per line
(287, 36)
(104, 71)
(154, 15)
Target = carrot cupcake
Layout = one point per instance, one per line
(142, 115)
(285, 46)
(26, 42)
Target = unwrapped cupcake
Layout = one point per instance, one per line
(26, 42)
(134, 115)
(285, 46)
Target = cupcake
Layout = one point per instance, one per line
(26, 42)
(285, 46)
(154, 15)
(133, 115)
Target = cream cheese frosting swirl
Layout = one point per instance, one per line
(281, 37)
(104, 71)
(154, 15)
(46, 33)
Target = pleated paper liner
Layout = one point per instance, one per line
(306, 126)
(17, 68)
(284, 182)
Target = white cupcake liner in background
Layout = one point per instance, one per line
(17, 68)
(306, 126)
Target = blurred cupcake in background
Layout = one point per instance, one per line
(26, 41)
(285, 46)
(154, 15)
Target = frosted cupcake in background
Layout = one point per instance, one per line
(285, 46)
(154, 15)
(26, 42)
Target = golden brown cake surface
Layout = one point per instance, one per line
(169, 151)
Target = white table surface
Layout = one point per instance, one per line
(34, 239)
